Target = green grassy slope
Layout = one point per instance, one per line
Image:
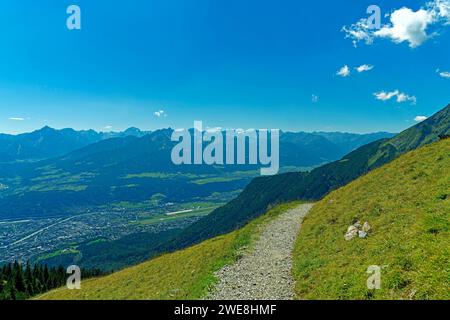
(407, 203)
(186, 274)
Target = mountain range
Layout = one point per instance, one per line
(48, 142)
(102, 168)
(45, 143)
(265, 192)
(405, 208)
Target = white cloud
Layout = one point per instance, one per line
(344, 71)
(364, 67)
(406, 25)
(382, 95)
(16, 119)
(420, 118)
(359, 31)
(441, 10)
(401, 97)
(108, 127)
(444, 74)
(160, 113)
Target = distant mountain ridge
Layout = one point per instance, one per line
(45, 143)
(137, 166)
(48, 142)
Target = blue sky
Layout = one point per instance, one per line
(234, 63)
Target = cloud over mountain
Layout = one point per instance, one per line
(420, 118)
(160, 113)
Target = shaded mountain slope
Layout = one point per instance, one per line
(350, 142)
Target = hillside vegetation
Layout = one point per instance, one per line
(407, 204)
(264, 192)
(186, 274)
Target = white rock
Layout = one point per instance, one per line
(351, 234)
(366, 227)
(362, 234)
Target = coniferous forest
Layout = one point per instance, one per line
(23, 281)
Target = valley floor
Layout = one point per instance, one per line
(264, 273)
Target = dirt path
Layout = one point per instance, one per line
(265, 272)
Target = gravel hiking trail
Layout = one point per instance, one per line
(264, 273)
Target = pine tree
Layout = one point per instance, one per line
(46, 278)
(22, 282)
(29, 280)
(18, 280)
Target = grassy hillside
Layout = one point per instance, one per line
(185, 274)
(407, 204)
